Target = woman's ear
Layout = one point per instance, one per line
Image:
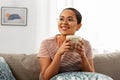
(79, 26)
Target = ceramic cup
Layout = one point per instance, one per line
(75, 39)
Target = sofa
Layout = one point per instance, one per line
(26, 67)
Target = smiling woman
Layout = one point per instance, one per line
(61, 53)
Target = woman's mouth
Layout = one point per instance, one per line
(64, 28)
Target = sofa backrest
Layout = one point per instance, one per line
(26, 67)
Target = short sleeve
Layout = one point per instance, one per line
(43, 52)
(88, 50)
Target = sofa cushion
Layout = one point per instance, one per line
(5, 72)
(108, 64)
(23, 66)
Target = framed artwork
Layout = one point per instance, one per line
(14, 16)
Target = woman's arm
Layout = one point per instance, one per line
(87, 64)
(49, 67)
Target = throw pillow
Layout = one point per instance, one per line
(5, 72)
(81, 76)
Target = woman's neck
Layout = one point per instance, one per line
(63, 37)
(60, 39)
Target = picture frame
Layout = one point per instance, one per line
(14, 16)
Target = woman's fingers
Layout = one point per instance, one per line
(79, 47)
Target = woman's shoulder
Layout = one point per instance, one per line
(86, 42)
(49, 39)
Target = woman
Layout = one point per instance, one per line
(56, 54)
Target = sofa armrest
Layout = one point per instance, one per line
(108, 64)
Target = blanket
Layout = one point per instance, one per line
(81, 76)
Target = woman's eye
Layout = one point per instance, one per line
(61, 19)
(70, 19)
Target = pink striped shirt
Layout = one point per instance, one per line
(70, 61)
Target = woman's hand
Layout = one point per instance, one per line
(79, 48)
(65, 47)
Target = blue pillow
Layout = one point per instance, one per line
(5, 72)
(81, 76)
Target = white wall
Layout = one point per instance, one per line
(20, 39)
(26, 39)
(100, 23)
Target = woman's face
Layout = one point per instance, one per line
(67, 23)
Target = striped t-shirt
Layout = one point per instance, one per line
(70, 61)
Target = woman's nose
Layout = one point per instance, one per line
(65, 21)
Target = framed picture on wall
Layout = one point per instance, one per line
(14, 16)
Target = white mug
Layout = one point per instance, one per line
(73, 38)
